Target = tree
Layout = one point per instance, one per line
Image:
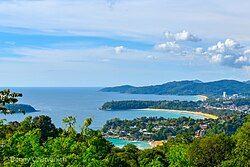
(115, 161)
(155, 163)
(177, 156)
(85, 131)
(210, 151)
(152, 156)
(44, 123)
(69, 121)
(129, 153)
(241, 152)
(8, 97)
(87, 122)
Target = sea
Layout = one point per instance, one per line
(85, 102)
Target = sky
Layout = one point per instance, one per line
(65, 43)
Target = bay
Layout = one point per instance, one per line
(121, 143)
(84, 102)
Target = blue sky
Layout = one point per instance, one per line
(114, 42)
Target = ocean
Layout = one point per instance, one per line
(83, 103)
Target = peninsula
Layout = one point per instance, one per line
(218, 114)
(216, 107)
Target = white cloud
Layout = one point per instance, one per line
(241, 59)
(216, 58)
(61, 55)
(229, 45)
(167, 46)
(199, 50)
(96, 18)
(229, 53)
(246, 52)
(119, 49)
(182, 36)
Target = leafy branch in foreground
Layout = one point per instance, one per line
(38, 142)
(8, 97)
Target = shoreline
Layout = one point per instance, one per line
(156, 143)
(152, 144)
(209, 116)
(159, 143)
(134, 142)
(202, 97)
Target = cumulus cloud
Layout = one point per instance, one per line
(230, 53)
(199, 50)
(227, 53)
(174, 44)
(216, 58)
(119, 49)
(228, 46)
(167, 46)
(241, 59)
(246, 52)
(182, 36)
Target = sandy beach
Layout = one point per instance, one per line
(202, 97)
(156, 143)
(209, 116)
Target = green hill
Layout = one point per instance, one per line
(215, 88)
(17, 108)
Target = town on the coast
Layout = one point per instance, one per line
(224, 114)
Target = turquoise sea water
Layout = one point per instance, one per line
(120, 143)
(84, 102)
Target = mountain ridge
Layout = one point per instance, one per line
(187, 87)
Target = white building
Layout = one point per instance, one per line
(224, 95)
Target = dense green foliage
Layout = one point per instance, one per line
(215, 88)
(211, 106)
(136, 104)
(8, 97)
(210, 151)
(154, 128)
(37, 142)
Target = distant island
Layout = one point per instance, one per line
(20, 108)
(194, 87)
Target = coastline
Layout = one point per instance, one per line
(202, 97)
(121, 142)
(161, 142)
(209, 116)
(156, 143)
(150, 143)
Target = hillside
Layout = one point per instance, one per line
(16, 108)
(215, 88)
(247, 82)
